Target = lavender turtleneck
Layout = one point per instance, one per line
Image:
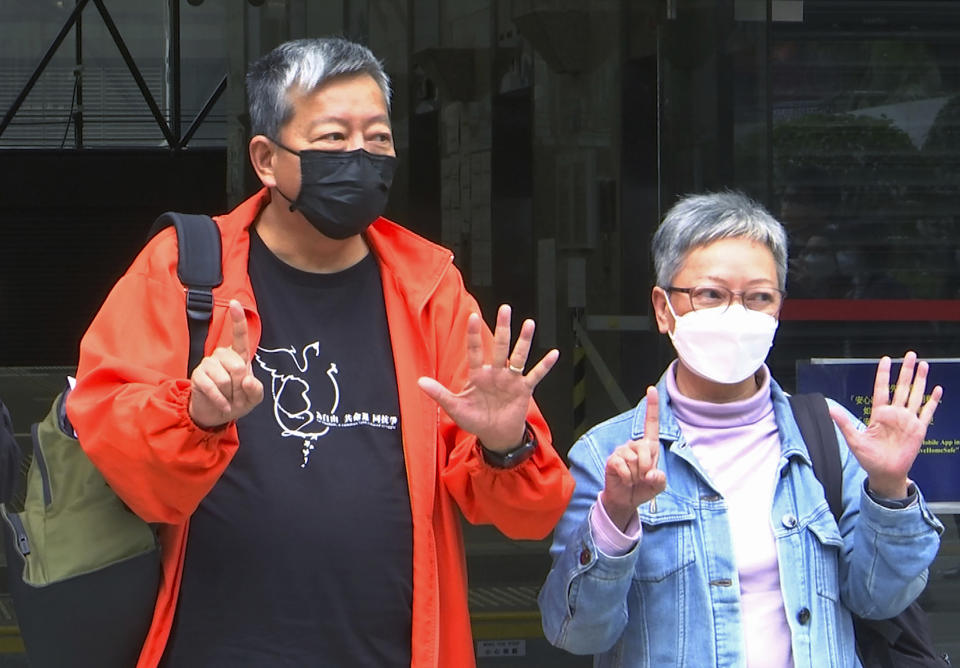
(738, 446)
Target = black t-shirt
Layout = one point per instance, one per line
(301, 554)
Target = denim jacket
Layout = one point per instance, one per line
(674, 599)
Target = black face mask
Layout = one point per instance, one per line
(342, 192)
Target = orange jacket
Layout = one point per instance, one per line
(130, 411)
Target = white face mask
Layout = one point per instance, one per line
(723, 345)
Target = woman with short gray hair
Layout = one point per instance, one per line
(698, 534)
(699, 220)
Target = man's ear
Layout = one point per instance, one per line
(659, 299)
(262, 156)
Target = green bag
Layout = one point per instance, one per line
(84, 570)
(71, 522)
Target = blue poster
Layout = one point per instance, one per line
(849, 382)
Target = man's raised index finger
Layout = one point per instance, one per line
(241, 343)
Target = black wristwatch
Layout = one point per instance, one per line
(511, 458)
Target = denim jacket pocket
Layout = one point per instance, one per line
(666, 545)
(825, 542)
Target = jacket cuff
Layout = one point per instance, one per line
(911, 498)
(608, 537)
(912, 520)
(602, 566)
(181, 396)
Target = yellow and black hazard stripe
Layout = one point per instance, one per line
(579, 385)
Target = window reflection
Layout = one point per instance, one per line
(865, 120)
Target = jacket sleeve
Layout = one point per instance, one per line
(886, 552)
(583, 602)
(129, 407)
(522, 502)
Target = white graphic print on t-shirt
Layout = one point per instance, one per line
(293, 407)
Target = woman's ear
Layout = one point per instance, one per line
(659, 299)
(262, 155)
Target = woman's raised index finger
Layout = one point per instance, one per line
(651, 422)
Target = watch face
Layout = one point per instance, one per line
(505, 460)
(514, 457)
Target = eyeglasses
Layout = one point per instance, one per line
(765, 300)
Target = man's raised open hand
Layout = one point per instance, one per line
(494, 402)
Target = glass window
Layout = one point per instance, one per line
(86, 96)
(866, 137)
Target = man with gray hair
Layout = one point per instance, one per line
(307, 488)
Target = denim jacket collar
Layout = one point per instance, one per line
(791, 444)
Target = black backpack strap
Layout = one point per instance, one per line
(199, 269)
(816, 428)
(904, 640)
